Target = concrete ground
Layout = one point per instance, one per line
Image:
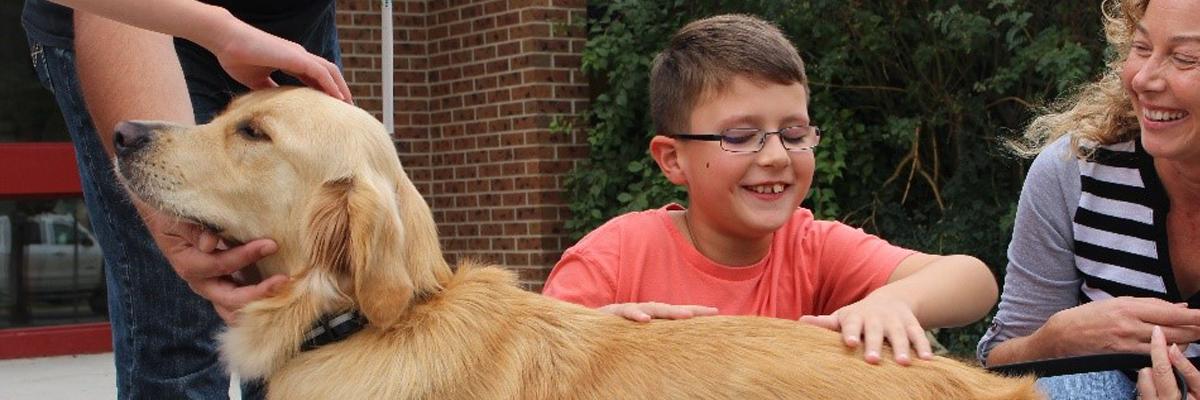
(90, 376)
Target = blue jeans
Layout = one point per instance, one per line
(1107, 385)
(163, 334)
(164, 343)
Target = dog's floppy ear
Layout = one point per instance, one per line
(354, 233)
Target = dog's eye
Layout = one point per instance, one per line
(250, 132)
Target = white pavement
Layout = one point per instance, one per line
(89, 377)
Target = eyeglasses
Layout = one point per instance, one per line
(750, 140)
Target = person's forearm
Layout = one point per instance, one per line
(950, 291)
(1026, 348)
(204, 24)
(128, 73)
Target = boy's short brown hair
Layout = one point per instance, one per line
(705, 54)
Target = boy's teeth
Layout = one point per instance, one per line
(1163, 115)
(768, 189)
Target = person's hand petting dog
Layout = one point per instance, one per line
(1158, 381)
(199, 257)
(247, 53)
(871, 320)
(250, 56)
(644, 312)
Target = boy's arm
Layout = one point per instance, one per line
(922, 291)
(942, 291)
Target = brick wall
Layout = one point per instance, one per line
(477, 85)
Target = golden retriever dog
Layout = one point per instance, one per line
(323, 180)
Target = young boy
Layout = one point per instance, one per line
(730, 105)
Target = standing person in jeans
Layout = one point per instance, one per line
(162, 331)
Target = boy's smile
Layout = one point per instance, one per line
(737, 200)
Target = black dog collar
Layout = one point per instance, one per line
(333, 329)
(1087, 363)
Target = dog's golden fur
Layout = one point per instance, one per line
(323, 179)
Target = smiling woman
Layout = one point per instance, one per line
(1102, 246)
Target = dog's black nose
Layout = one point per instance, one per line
(132, 136)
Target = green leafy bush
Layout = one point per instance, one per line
(916, 96)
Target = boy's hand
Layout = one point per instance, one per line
(872, 319)
(644, 312)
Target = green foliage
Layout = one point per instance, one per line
(917, 97)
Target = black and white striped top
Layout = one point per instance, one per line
(1085, 230)
(1120, 226)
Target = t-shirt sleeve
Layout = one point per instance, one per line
(853, 263)
(585, 274)
(1041, 278)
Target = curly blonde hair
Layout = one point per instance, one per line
(1096, 113)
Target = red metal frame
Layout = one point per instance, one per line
(38, 170)
(46, 170)
(50, 341)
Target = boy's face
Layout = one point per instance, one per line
(739, 193)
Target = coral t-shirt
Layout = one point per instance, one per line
(812, 268)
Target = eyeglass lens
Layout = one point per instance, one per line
(797, 138)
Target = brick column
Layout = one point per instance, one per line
(477, 85)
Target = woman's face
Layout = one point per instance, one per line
(1162, 77)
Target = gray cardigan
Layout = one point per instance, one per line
(1041, 278)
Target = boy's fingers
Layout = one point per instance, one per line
(852, 330)
(901, 347)
(824, 321)
(920, 342)
(628, 311)
(700, 311)
(638, 315)
(659, 310)
(873, 333)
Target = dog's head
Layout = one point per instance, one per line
(318, 176)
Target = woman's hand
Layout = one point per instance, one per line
(1158, 382)
(872, 319)
(644, 312)
(1118, 325)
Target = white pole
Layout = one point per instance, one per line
(386, 69)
